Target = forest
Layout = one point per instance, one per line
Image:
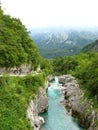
(16, 47)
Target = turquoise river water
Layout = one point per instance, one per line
(56, 117)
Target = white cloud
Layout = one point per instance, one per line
(35, 13)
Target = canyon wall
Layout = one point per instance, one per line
(76, 105)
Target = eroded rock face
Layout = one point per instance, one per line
(2, 70)
(22, 70)
(32, 114)
(42, 102)
(50, 78)
(75, 104)
(37, 106)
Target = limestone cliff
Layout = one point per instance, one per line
(76, 104)
(37, 106)
(24, 69)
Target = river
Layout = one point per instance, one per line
(56, 118)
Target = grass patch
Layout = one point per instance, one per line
(15, 94)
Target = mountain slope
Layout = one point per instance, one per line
(93, 47)
(56, 42)
(16, 47)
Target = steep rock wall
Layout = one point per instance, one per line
(76, 104)
(22, 70)
(37, 106)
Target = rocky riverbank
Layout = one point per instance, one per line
(76, 104)
(37, 106)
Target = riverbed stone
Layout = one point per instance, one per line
(76, 104)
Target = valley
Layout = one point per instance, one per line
(26, 73)
(63, 41)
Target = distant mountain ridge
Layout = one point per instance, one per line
(56, 42)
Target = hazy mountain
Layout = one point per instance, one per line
(60, 41)
(93, 47)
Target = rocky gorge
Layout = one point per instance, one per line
(74, 102)
(76, 105)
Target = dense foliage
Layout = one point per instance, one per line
(16, 47)
(62, 65)
(46, 66)
(15, 94)
(85, 68)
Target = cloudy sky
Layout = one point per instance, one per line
(38, 13)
